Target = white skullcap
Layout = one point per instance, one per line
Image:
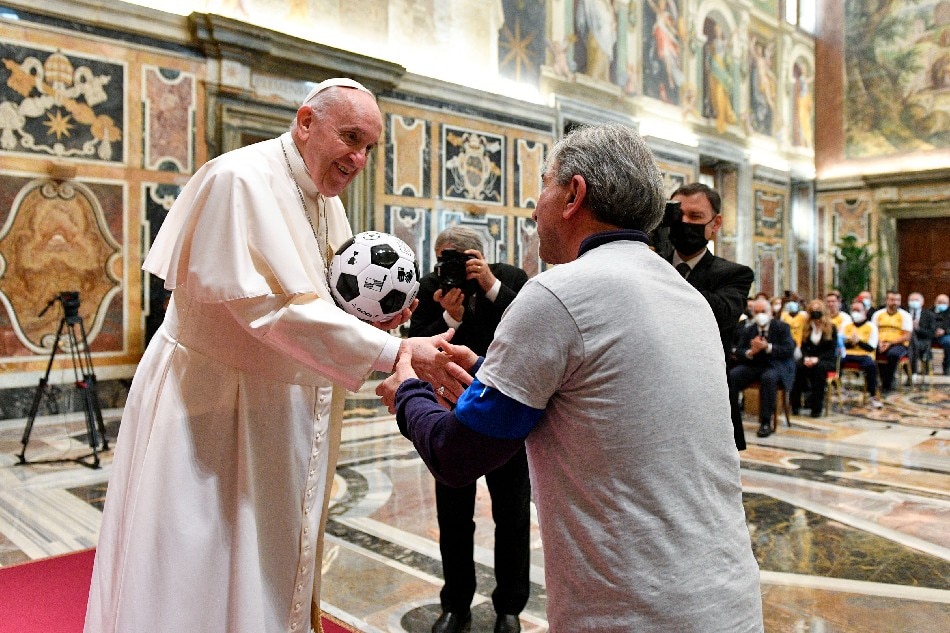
(337, 81)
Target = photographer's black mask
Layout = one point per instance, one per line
(688, 238)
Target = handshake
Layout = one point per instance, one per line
(435, 360)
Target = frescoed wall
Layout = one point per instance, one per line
(87, 127)
(134, 98)
(898, 77)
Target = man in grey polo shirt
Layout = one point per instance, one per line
(609, 368)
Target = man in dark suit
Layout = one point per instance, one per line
(723, 283)
(925, 328)
(474, 309)
(765, 353)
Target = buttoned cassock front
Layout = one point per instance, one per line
(217, 499)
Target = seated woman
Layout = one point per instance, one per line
(819, 349)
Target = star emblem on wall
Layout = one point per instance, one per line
(58, 124)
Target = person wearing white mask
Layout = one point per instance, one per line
(860, 341)
(942, 332)
(865, 298)
(925, 326)
(765, 353)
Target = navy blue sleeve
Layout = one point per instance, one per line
(455, 454)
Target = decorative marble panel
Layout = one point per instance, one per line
(407, 156)
(529, 167)
(169, 100)
(675, 173)
(493, 229)
(473, 165)
(55, 103)
(769, 264)
(157, 199)
(57, 237)
(527, 244)
(769, 209)
(411, 225)
(726, 248)
(851, 217)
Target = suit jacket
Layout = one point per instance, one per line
(825, 350)
(782, 356)
(481, 316)
(926, 325)
(725, 285)
(941, 321)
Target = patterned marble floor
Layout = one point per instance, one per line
(849, 516)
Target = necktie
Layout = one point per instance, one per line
(683, 269)
(762, 332)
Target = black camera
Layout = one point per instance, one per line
(451, 269)
(69, 299)
(672, 213)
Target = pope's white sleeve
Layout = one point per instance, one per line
(318, 334)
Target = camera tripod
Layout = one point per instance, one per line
(85, 381)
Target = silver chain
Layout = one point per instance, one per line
(322, 208)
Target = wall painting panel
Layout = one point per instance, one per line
(59, 104)
(411, 225)
(169, 100)
(61, 236)
(407, 156)
(529, 167)
(897, 65)
(473, 166)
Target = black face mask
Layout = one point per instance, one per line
(815, 315)
(688, 238)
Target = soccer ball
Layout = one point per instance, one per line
(373, 276)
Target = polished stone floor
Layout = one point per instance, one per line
(849, 516)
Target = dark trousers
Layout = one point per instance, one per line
(919, 351)
(944, 342)
(510, 493)
(869, 367)
(892, 356)
(814, 381)
(740, 377)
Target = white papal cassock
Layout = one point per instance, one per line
(214, 515)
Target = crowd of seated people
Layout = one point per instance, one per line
(882, 343)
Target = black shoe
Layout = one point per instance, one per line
(507, 623)
(450, 622)
(764, 430)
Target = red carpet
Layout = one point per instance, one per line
(50, 595)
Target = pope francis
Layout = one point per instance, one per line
(218, 495)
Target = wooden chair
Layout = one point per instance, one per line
(852, 370)
(781, 396)
(927, 363)
(903, 368)
(833, 387)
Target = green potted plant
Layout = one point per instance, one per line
(853, 267)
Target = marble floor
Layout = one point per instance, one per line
(849, 516)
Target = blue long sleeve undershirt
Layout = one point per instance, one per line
(484, 431)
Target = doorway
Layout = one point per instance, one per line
(923, 257)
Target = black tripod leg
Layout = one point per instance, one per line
(38, 394)
(89, 376)
(83, 385)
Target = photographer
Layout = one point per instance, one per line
(724, 284)
(467, 293)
